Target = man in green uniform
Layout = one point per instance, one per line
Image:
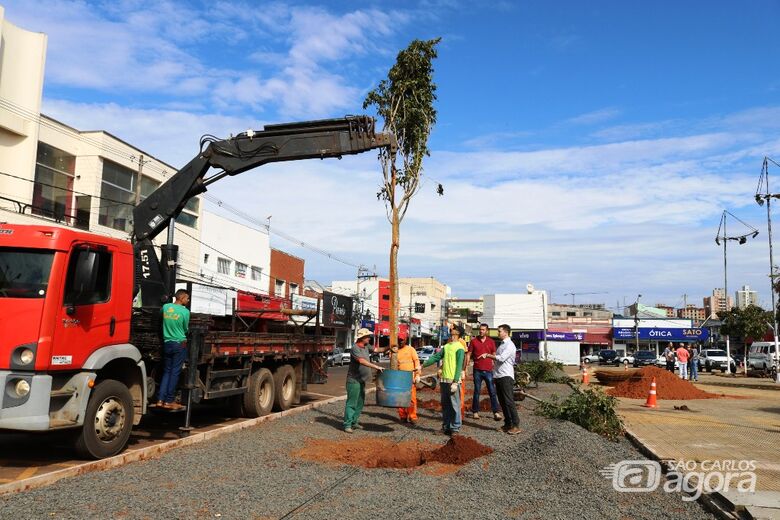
(175, 323)
(358, 375)
(452, 356)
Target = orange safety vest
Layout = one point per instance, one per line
(407, 359)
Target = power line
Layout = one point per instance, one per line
(271, 230)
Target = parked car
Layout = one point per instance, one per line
(643, 358)
(660, 362)
(713, 359)
(339, 356)
(590, 358)
(625, 359)
(761, 356)
(607, 356)
(425, 353)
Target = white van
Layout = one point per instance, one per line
(761, 356)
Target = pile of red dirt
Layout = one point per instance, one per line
(458, 450)
(668, 386)
(430, 404)
(372, 452)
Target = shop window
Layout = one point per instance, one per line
(53, 188)
(223, 266)
(187, 219)
(117, 192)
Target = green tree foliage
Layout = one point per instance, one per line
(750, 322)
(404, 101)
(590, 408)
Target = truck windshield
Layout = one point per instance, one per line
(24, 273)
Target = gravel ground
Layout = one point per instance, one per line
(551, 470)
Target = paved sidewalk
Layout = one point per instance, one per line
(744, 427)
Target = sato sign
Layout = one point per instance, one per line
(336, 310)
(656, 333)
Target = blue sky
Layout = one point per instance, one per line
(583, 146)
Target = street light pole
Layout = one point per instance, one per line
(636, 325)
(741, 239)
(763, 181)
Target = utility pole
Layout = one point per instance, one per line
(763, 181)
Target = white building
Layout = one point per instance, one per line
(53, 174)
(233, 257)
(746, 297)
(519, 311)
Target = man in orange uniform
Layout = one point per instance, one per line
(408, 360)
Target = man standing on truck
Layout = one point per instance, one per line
(357, 376)
(175, 324)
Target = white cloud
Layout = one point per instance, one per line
(597, 116)
(236, 54)
(638, 216)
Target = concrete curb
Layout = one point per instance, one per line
(751, 386)
(715, 503)
(156, 450)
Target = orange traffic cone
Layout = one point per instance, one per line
(585, 375)
(651, 396)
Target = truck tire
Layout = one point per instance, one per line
(284, 388)
(107, 422)
(259, 397)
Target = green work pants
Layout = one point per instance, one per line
(356, 396)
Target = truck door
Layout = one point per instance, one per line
(86, 319)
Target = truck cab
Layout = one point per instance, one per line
(65, 309)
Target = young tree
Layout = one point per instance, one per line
(750, 322)
(404, 101)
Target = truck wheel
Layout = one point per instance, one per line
(108, 421)
(284, 388)
(259, 398)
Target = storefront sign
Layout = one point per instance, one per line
(337, 310)
(659, 334)
(538, 335)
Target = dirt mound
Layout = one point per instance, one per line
(458, 450)
(430, 404)
(668, 386)
(384, 453)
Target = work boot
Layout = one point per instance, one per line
(348, 430)
(497, 416)
(514, 430)
(475, 415)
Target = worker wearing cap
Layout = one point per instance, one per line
(358, 375)
(452, 356)
(410, 362)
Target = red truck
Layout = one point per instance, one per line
(75, 353)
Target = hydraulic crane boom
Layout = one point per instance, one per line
(275, 143)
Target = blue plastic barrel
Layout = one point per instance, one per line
(394, 389)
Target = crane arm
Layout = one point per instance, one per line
(156, 278)
(248, 150)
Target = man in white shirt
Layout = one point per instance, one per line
(504, 378)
